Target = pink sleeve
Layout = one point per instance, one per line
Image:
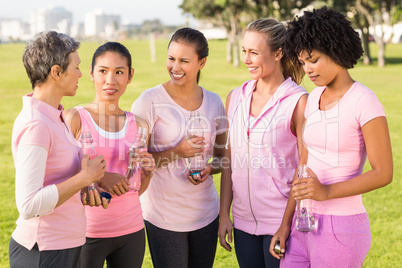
(306, 109)
(34, 133)
(368, 107)
(312, 100)
(222, 121)
(143, 107)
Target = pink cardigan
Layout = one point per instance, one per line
(263, 162)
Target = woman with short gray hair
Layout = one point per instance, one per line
(49, 171)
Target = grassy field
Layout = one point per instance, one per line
(383, 205)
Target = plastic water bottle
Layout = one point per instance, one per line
(196, 163)
(88, 148)
(304, 218)
(134, 169)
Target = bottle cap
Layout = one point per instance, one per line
(106, 195)
(277, 248)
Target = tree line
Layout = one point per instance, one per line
(234, 15)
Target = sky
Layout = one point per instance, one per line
(134, 11)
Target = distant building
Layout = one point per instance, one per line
(51, 18)
(101, 25)
(397, 37)
(210, 31)
(77, 30)
(13, 30)
(128, 30)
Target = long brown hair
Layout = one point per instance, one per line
(275, 37)
(193, 37)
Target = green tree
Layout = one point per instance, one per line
(359, 21)
(279, 9)
(379, 14)
(226, 13)
(152, 26)
(234, 15)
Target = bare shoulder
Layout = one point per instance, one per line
(73, 119)
(301, 104)
(228, 100)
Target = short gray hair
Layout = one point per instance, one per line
(45, 50)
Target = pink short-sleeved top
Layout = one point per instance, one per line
(171, 201)
(336, 148)
(41, 124)
(124, 214)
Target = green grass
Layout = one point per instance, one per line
(383, 205)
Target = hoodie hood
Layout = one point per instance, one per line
(285, 90)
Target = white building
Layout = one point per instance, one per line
(99, 24)
(77, 30)
(13, 30)
(210, 31)
(51, 18)
(397, 37)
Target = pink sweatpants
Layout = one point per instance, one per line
(337, 241)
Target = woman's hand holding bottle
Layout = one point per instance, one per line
(310, 188)
(94, 169)
(203, 175)
(189, 147)
(147, 163)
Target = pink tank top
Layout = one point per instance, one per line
(124, 214)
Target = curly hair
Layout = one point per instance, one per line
(327, 31)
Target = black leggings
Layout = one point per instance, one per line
(122, 251)
(253, 250)
(183, 249)
(21, 257)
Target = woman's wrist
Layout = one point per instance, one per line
(215, 165)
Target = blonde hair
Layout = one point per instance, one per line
(275, 32)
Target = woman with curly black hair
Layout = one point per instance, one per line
(345, 123)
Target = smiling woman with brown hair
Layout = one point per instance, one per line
(181, 213)
(265, 121)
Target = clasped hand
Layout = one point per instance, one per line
(92, 198)
(189, 147)
(309, 188)
(203, 175)
(147, 163)
(94, 170)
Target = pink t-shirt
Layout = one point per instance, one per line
(336, 148)
(171, 201)
(124, 215)
(39, 124)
